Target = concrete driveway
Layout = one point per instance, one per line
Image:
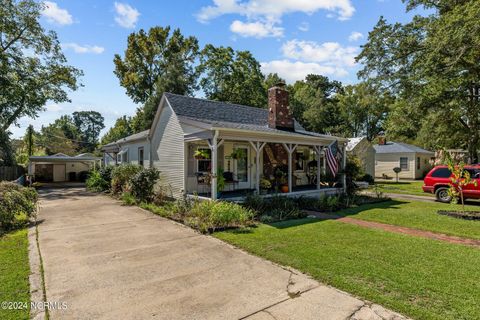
(107, 261)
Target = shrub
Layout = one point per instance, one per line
(143, 183)
(17, 204)
(211, 215)
(277, 208)
(121, 177)
(367, 178)
(96, 182)
(128, 199)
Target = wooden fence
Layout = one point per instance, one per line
(11, 173)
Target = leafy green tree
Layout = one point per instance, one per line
(432, 62)
(121, 129)
(33, 69)
(155, 62)
(89, 124)
(53, 139)
(233, 76)
(315, 105)
(364, 109)
(271, 80)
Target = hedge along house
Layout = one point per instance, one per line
(61, 168)
(194, 141)
(414, 161)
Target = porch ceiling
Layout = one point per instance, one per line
(277, 136)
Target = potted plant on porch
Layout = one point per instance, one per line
(201, 154)
(280, 177)
(238, 154)
(265, 185)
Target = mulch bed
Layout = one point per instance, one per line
(467, 215)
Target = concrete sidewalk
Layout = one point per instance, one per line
(107, 261)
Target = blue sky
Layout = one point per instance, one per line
(290, 37)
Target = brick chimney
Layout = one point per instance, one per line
(279, 116)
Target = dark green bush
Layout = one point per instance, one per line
(96, 182)
(143, 183)
(367, 178)
(17, 204)
(121, 176)
(277, 208)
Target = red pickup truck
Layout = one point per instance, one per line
(438, 181)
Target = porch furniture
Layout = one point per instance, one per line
(230, 180)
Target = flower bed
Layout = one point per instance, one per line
(467, 215)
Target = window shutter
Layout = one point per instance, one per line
(191, 161)
(220, 157)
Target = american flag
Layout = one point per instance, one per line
(331, 154)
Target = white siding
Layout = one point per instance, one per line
(168, 151)
(366, 154)
(385, 162)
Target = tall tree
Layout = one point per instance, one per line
(155, 62)
(432, 62)
(53, 139)
(314, 103)
(33, 69)
(233, 76)
(89, 125)
(364, 109)
(121, 129)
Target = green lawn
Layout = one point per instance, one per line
(419, 215)
(14, 271)
(421, 278)
(402, 187)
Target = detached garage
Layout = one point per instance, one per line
(60, 167)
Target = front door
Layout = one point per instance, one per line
(242, 168)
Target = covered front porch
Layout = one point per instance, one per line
(227, 164)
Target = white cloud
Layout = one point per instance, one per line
(355, 36)
(83, 49)
(127, 16)
(274, 9)
(328, 53)
(54, 14)
(297, 70)
(256, 29)
(304, 26)
(265, 16)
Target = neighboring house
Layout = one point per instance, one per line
(363, 150)
(191, 139)
(60, 167)
(414, 161)
(132, 149)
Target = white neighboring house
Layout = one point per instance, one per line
(414, 161)
(60, 167)
(364, 150)
(246, 143)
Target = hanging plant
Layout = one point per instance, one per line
(201, 154)
(238, 154)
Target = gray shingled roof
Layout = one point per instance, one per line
(399, 147)
(228, 115)
(135, 136)
(216, 111)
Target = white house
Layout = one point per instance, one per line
(192, 140)
(414, 161)
(364, 150)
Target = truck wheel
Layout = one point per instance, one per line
(442, 195)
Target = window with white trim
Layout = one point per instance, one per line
(404, 163)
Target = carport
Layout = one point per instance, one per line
(61, 167)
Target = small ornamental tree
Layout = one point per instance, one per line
(459, 180)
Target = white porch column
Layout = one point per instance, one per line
(258, 147)
(344, 165)
(214, 147)
(318, 151)
(290, 149)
